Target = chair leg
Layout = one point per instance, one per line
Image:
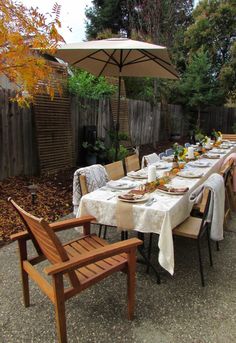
(58, 287)
(131, 282)
(105, 232)
(149, 251)
(209, 247)
(200, 263)
(100, 230)
(24, 276)
(217, 246)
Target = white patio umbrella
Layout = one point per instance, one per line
(119, 57)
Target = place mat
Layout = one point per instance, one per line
(124, 216)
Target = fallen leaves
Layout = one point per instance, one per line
(53, 200)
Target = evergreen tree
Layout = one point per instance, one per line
(198, 87)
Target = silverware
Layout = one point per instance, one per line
(109, 198)
(150, 202)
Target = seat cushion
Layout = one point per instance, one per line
(189, 228)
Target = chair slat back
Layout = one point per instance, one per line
(44, 235)
(229, 136)
(226, 170)
(132, 163)
(115, 170)
(207, 194)
(83, 184)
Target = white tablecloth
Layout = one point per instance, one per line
(160, 218)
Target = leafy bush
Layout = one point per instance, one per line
(87, 85)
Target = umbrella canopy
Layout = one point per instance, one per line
(119, 57)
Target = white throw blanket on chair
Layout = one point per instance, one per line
(96, 177)
(215, 183)
(149, 159)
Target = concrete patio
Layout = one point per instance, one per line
(177, 311)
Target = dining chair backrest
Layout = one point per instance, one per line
(149, 159)
(229, 136)
(46, 238)
(115, 170)
(86, 180)
(162, 154)
(187, 145)
(207, 195)
(132, 163)
(169, 152)
(226, 170)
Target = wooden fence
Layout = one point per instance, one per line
(18, 151)
(18, 140)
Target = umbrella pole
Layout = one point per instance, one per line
(118, 119)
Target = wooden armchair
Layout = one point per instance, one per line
(84, 261)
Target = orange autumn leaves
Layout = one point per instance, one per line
(22, 30)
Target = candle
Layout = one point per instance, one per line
(152, 174)
(190, 153)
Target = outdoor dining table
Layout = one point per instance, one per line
(162, 216)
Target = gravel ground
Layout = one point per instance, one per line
(177, 311)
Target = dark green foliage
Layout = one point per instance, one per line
(87, 85)
(106, 14)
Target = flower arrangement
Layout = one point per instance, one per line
(179, 150)
(216, 134)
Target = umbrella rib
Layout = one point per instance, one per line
(138, 60)
(87, 56)
(93, 58)
(113, 59)
(155, 59)
(123, 62)
(107, 62)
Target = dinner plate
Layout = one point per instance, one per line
(170, 193)
(217, 152)
(145, 197)
(211, 156)
(189, 174)
(161, 166)
(121, 185)
(137, 176)
(199, 164)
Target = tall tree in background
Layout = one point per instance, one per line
(214, 31)
(21, 30)
(198, 86)
(107, 15)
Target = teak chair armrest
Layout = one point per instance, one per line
(70, 223)
(20, 235)
(56, 226)
(93, 256)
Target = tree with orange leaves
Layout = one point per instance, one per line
(26, 34)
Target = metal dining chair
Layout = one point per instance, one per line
(162, 154)
(169, 152)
